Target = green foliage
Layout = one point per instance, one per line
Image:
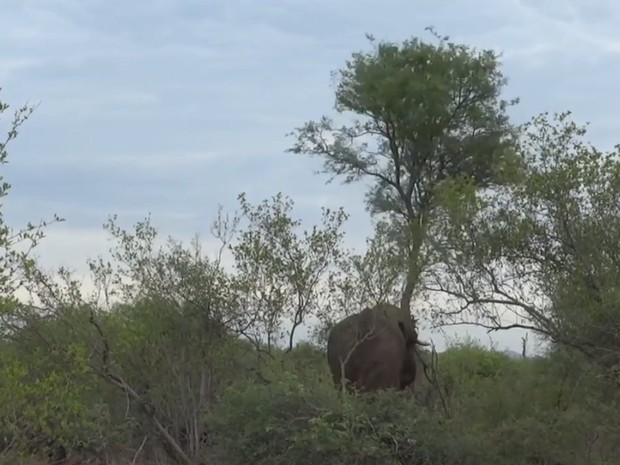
(473, 361)
(306, 423)
(420, 100)
(185, 277)
(546, 247)
(281, 271)
(505, 411)
(49, 395)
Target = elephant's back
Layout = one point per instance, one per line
(337, 345)
(363, 336)
(340, 335)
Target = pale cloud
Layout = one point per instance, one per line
(158, 162)
(11, 66)
(71, 248)
(174, 107)
(536, 34)
(561, 26)
(111, 101)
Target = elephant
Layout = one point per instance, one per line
(374, 349)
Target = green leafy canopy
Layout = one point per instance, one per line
(423, 112)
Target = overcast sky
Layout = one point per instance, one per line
(175, 106)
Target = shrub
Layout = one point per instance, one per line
(292, 422)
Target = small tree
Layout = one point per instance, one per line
(426, 113)
(16, 245)
(544, 254)
(283, 273)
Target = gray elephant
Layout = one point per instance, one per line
(374, 349)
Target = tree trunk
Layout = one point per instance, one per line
(415, 240)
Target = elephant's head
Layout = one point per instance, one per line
(406, 322)
(415, 340)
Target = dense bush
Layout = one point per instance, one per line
(506, 416)
(292, 422)
(556, 408)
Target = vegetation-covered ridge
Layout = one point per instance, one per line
(178, 359)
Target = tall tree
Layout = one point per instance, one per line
(422, 113)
